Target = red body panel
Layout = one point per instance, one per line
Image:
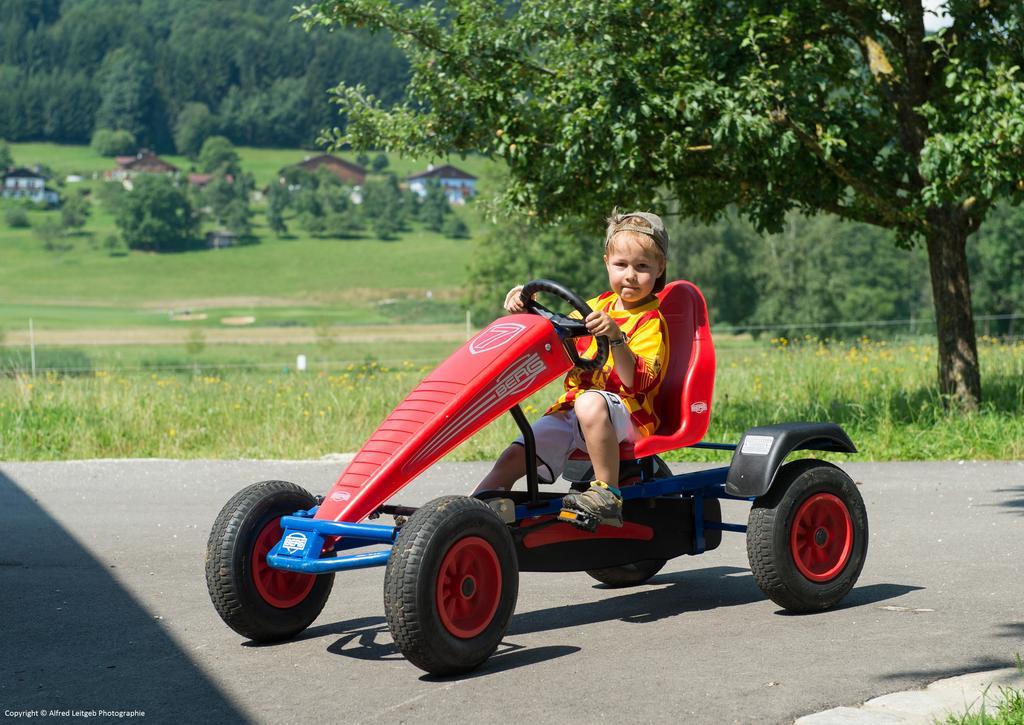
(501, 366)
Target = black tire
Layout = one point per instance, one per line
(262, 604)
(451, 585)
(628, 575)
(816, 565)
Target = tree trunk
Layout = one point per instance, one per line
(959, 374)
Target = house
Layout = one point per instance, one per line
(201, 180)
(458, 185)
(144, 162)
(347, 172)
(219, 239)
(22, 183)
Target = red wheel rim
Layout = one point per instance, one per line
(468, 587)
(822, 537)
(281, 589)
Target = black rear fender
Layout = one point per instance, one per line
(763, 449)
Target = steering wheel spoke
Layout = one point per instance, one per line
(568, 328)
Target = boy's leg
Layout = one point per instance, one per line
(553, 435)
(599, 433)
(602, 502)
(509, 468)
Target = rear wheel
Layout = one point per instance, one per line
(628, 575)
(258, 602)
(451, 585)
(807, 538)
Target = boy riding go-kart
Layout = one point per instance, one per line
(452, 565)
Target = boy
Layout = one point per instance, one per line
(603, 408)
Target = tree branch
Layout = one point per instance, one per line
(897, 217)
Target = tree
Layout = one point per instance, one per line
(192, 127)
(156, 216)
(379, 163)
(519, 249)
(771, 105)
(107, 142)
(277, 201)
(6, 160)
(126, 89)
(74, 211)
(218, 155)
(383, 207)
(433, 207)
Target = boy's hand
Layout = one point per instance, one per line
(514, 300)
(601, 323)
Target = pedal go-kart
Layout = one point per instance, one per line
(453, 564)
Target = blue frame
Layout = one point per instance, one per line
(301, 547)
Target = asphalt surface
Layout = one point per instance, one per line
(103, 606)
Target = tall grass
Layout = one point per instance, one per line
(883, 394)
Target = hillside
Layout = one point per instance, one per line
(297, 280)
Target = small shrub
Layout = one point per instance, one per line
(16, 217)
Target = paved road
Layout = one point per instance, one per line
(104, 606)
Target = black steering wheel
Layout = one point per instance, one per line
(568, 328)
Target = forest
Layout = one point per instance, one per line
(170, 72)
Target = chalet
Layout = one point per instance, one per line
(347, 172)
(144, 162)
(458, 185)
(21, 183)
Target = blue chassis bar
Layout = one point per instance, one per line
(301, 547)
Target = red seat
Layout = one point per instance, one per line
(684, 401)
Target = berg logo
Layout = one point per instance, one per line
(700, 407)
(340, 496)
(495, 336)
(294, 542)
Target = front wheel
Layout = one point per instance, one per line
(807, 538)
(258, 602)
(451, 585)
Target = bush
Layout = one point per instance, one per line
(107, 142)
(16, 217)
(455, 228)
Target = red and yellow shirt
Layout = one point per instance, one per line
(647, 336)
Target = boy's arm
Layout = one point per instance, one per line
(638, 363)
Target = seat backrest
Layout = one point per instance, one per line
(684, 401)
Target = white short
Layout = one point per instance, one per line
(558, 435)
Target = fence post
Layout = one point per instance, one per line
(32, 345)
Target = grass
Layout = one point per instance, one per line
(1008, 709)
(881, 393)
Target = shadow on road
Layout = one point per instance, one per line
(74, 638)
(680, 592)
(1015, 499)
(368, 639)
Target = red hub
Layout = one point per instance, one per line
(281, 589)
(468, 587)
(822, 537)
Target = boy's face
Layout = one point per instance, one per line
(632, 270)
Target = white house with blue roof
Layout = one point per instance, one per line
(458, 185)
(21, 183)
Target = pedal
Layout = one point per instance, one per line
(587, 522)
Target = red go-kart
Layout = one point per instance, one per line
(453, 565)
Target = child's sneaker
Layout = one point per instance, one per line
(599, 504)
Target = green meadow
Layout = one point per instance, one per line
(881, 393)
